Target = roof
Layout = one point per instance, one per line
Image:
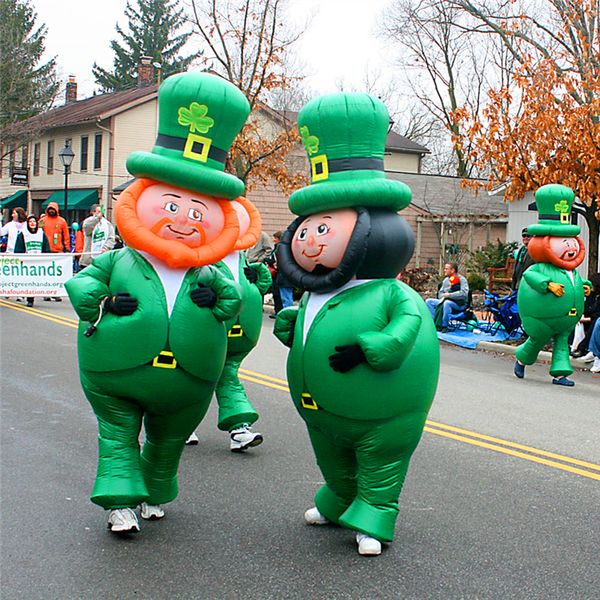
(91, 109)
(444, 195)
(396, 141)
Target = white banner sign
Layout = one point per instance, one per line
(35, 274)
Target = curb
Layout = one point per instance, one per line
(543, 356)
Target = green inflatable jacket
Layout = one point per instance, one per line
(378, 408)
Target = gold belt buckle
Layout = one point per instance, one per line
(573, 312)
(235, 331)
(308, 402)
(164, 360)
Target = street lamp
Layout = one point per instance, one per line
(66, 156)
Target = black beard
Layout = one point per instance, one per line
(321, 270)
(52, 213)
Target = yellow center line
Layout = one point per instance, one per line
(530, 457)
(448, 431)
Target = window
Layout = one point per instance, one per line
(83, 157)
(98, 151)
(50, 161)
(25, 156)
(36, 159)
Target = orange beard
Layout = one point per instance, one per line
(539, 250)
(172, 252)
(251, 236)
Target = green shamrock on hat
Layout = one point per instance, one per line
(311, 142)
(562, 206)
(195, 117)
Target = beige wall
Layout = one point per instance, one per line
(404, 163)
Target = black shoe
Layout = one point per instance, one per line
(29, 303)
(57, 299)
(47, 299)
(563, 381)
(519, 369)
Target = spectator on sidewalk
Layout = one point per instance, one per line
(283, 291)
(98, 235)
(595, 347)
(57, 233)
(76, 245)
(591, 313)
(14, 227)
(453, 296)
(31, 240)
(523, 260)
(262, 250)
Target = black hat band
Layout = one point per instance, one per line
(172, 142)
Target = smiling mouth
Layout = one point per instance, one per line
(321, 246)
(569, 254)
(179, 232)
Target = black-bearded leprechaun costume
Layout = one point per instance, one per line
(551, 292)
(364, 356)
(158, 339)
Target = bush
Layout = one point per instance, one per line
(417, 279)
(493, 254)
(477, 282)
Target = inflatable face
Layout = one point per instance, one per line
(322, 238)
(563, 252)
(250, 223)
(175, 214)
(180, 227)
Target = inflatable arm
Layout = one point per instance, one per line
(386, 350)
(90, 286)
(284, 325)
(229, 297)
(538, 281)
(264, 277)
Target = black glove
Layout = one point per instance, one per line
(121, 304)
(203, 296)
(346, 358)
(251, 274)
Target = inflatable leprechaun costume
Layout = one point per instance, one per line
(364, 359)
(236, 413)
(551, 292)
(160, 312)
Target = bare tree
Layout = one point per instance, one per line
(446, 67)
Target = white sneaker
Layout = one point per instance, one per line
(122, 520)
(589, 357)
(596, 366)
(192, 440)
(368, 546)
(313, 517)
(243, 438)
(151, 512)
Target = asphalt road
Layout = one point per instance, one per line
(494, 505)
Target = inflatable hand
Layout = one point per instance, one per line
(284, 325)
(121, 304)
(203, 296)
(251, 274)
(556, 288)
(346, 358)
(587, 290)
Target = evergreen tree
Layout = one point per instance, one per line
(27, 87)
(152, 31)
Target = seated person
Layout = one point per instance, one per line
(453, 294)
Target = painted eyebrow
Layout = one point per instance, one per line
(169, 194)
(199, 202)
(327, 217)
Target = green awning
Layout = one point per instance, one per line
(17, 199)
(76, 199)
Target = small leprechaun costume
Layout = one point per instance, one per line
(547, 315)
(159, 307)
(365, 420)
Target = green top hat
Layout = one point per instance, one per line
(554, 204)
(199, 116)
(344, 136)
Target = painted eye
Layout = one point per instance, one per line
(172, 208)
(302, 235)
(194, 215)
(322, 229)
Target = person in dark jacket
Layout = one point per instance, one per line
(32, 240)
(283, 291)
(523, 260)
